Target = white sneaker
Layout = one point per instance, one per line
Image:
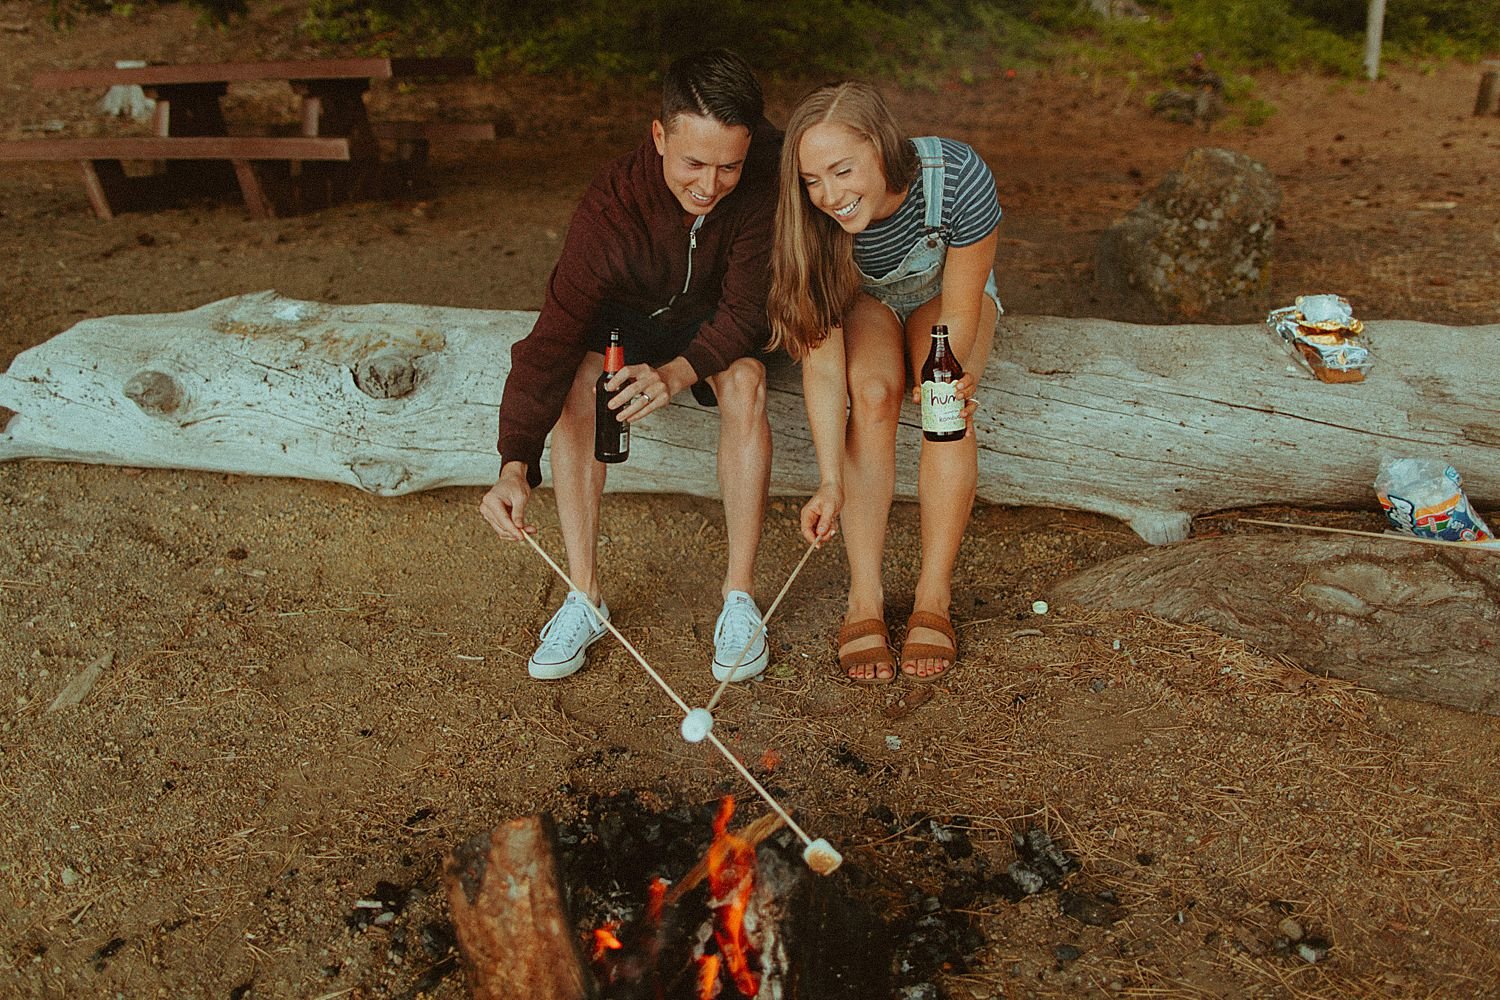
(566, 638)
(738, 622)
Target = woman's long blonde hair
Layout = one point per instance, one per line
(813, 277)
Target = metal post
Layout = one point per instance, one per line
(1374, 29)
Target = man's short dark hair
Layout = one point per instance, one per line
(716, 84)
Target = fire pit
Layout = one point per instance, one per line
(662, 916)
(633, 898)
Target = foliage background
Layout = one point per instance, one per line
(911, 41)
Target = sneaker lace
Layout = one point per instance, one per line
(736, 627)
(572, 624)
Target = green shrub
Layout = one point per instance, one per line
(1467, 28)
(902, 39)
(1233, 35)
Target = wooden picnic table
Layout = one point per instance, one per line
(188, 95)
(189, 107)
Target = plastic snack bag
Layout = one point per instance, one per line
(1425, 497)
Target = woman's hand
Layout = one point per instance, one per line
(965, 388)
(820, 515)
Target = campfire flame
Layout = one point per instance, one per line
(731, 876)
(723, 946)
(613, 960)
(708, 977)
(605, 940)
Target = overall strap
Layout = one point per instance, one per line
(930, 156)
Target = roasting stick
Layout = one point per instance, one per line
(760, 629)
(1388, 536)
(819, 854)
(658, 678)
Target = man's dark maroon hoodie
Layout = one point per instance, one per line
(628, 245)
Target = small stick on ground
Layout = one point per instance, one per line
(1386, 536)
(79, 687)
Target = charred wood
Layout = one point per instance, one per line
(511, 918)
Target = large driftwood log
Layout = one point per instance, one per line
(1150, 424)
(510, 915)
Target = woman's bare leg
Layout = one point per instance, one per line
(946, 478)
(874, 358)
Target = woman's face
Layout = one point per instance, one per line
(840, 171)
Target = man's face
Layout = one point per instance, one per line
(702, 159)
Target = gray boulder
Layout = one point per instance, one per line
(1203, 237)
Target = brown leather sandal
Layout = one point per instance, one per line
(880, 654)
(927, 650)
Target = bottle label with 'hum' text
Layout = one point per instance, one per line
(942, 410)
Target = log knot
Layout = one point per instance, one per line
(387, 375)
(155, 392)
(379, 477)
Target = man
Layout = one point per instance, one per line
(671, 246)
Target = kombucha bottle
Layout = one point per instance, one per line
(942, 410)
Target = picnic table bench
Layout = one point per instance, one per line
(334, 157)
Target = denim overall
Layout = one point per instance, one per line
(919, 276)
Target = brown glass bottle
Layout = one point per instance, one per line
(942, 410)
(611, 434)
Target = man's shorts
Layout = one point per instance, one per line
(647, 341)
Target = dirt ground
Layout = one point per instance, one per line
(314, 691)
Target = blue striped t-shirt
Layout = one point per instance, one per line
(970, 211)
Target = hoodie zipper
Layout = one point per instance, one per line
(686, 282)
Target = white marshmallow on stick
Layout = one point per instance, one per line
(696, 724)
(821, 857)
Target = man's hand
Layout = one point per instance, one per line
(820, 515)
(647, 389)
(505, 503)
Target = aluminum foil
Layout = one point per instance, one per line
(1320, 331)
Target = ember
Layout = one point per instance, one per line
(708, 977)
(605, 941)
(654, 896)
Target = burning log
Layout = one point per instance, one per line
(511, 917)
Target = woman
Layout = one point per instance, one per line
(878, 238)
